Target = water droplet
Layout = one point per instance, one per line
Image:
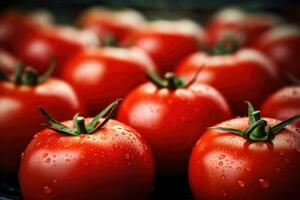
(47, 189)
(220, 163)
(54, 180)
(238, 168)
(264, 183)
(48, 160)
(248, 169)
(22, 155)
(68, 160)
(281, 153)
(127, 156)
(223, 177)
(287, 160)
(221, 157)
(289, 141)
(45, 155)
(241, 183)
(224, 193)
(278, 169)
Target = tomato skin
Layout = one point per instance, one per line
(282, 45)
(282, 104)
(158, 41)
(226, 166)
(172, 121)
(39, 47)
(232, 75)
(246, 27)
(111, 163)
(21, 118)
(8, 61)
(102, 75)
(119, 24)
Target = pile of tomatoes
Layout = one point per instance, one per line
(103, 108)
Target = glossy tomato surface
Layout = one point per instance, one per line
(112, 163)
(102, 75)
(168, 42)
(282, 45)
(8, 61)
(243, 75)
(224, 165)
(38, 48)
(246, 27)
(119, 24)
(282, 104)
(21, 118)
(173, 120)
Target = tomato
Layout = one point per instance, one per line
(242, 75)
(60, 43)
(7, 61)
(244, 26)
(172, 116)
(283, 103)
(168, 42)
(110, 162)
(118, 24)
(102, 75)
(282, 45)
(19, 114)
(234, 162)
(14, 25)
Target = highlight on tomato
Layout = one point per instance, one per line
(238, 73)
(118, 24)
(87, 158)
(20, 97)
(171, 114)
(38, 48)
(168, 42)
(8, 61)
(282, 45)
(283, 103)
(249, 158)
(245, 26)
(102, 75)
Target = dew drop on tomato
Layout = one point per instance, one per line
(248, 169)
(47, 189)
(264, 183)
(241, 183)
(224, 193)
(48, 160)
(221, 156)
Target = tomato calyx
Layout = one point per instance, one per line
(227, 45)
(258, 130)
(27, 75)
(171, 81)
(79, 126)
(293, 79)
(109, 41)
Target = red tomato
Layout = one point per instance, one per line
(244, 26)
(112, 162)
(119, 24)
(168, 42)
(225, 165)
(20, 118)
(282, 45)
(103, 75)
(7, 61)
(243, 75)
(14, 25)
(283, 103)
(39, 47)
(172, 120)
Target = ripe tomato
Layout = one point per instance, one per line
(283, 103)
(14, 25)
(39, 47)
(244, 26)
(248, 164)
(242, 75)
(102, 75)
(7, 61)
(172, 116)
(110, 162)
(118, 24)
(168, 42)
(282, 45)
(19, 114)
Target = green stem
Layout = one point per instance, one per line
(80, 124)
